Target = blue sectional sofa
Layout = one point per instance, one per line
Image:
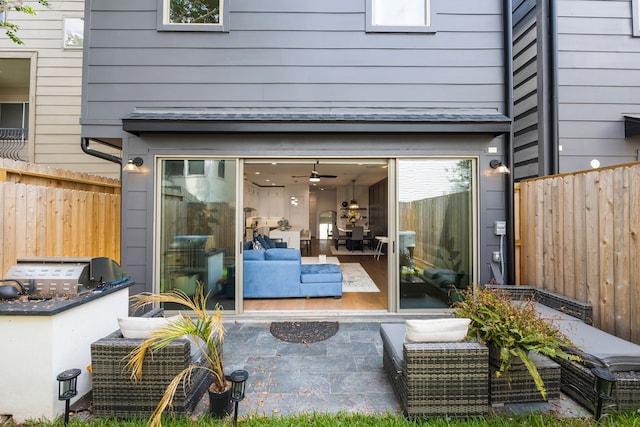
(279, 273)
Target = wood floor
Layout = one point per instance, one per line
(377, 270)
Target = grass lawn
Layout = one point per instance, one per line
(342, 420)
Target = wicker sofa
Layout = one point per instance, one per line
(597, 348)
(116, 395)
(436, 379)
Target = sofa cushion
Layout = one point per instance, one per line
(256, 255)
(142, 327)
(282, 254)
(614, 353)
(320, 273)
(392, 335)
(436, 330)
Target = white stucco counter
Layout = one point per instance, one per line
(41, 339)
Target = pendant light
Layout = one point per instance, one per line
(353, 204)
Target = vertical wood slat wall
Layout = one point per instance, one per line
(54, 212)
(579, 235)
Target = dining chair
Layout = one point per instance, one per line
(356, 239)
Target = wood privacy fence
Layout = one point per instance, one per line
(442, 227)
(53, 212)
(579, 235)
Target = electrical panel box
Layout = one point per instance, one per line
(500, 228)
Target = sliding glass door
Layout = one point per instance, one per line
(197, 224)
(435, 231)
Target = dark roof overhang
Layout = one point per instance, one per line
(266, 120)
(631, 125)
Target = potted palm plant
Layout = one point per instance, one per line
(205, 330)
(511, 330)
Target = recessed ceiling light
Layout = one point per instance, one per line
(257, 173)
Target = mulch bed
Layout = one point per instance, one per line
(303, 332)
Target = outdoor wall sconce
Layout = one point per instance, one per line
(133, 165)
(499, 166)
(67, 388)
(238, 381)
(602, 387)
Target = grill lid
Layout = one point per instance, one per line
(64, 275)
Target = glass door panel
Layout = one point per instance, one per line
(435, 231)
(197, 228)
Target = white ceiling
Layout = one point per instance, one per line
(283, 173)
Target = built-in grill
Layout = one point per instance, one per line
(65, 276)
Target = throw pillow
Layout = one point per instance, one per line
(262, 242)
(257, 245)
(436, 330)
(269, 242)
(142, 327)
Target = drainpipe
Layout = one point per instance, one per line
(554, 161)
(507, 17)
(84, 144)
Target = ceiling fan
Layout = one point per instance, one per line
(315, 175)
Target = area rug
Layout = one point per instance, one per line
(314, 260)
(344, 251)
(303, 332)
(356, 279)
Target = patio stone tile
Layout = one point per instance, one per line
(301, 383)
(354, 382)
(325, 364)
(368, 363)
(352, 348)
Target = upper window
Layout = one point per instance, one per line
(73, 33)
(193, 15)
(400, 16)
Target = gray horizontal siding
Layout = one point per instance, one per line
(291, 53)
(599, 81)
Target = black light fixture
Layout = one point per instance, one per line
(499, 166)
(133, 165)
(67, 388)
(238, 381)
(602, 387)
(353, 204)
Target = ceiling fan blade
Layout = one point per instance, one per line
(328, 176)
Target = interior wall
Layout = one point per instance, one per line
(325, 201)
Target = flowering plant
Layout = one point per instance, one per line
(354, 216)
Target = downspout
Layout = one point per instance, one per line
(554, 161)
(84, 144)
(507, 17)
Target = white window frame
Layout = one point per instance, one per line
(165, 25)
(635, 18)
(430, 26)
(67, 30)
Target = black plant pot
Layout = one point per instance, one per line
(220, 403)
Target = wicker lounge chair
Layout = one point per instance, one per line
(116, 395)
(436, 379)
(598, 348)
